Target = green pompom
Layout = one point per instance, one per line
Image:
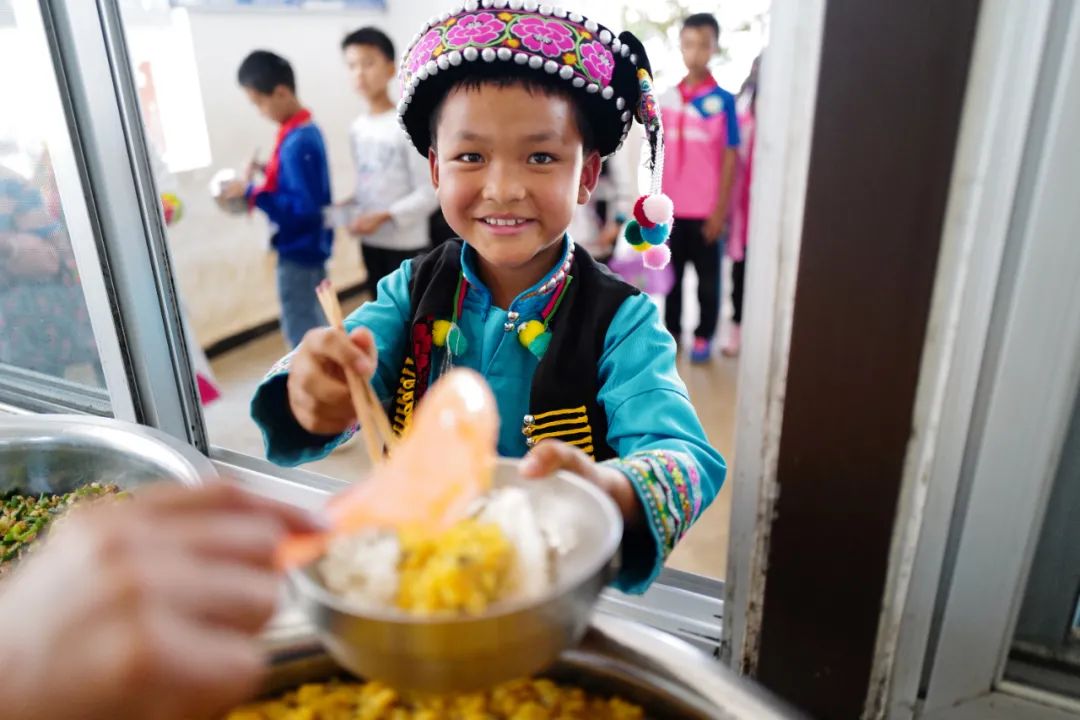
(633, 233)
(540, 345)
(455, 341)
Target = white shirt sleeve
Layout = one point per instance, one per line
(420, 202)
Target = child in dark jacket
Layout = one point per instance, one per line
(295, 190)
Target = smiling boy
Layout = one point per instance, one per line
(514, 111)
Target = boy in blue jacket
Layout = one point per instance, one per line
(295, 190)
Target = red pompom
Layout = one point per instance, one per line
(639, 213)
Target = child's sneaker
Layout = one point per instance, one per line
(734, 342)
(701, 351)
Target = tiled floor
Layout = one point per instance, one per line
(712, 389)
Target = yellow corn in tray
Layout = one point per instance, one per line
(463, 569)
(518, 700)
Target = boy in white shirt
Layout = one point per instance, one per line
(394, 197)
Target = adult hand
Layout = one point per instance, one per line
(144, 608)
(368, 223)
(318, 393)
(552, 455)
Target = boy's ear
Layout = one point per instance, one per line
(590, 176)
(433, 164)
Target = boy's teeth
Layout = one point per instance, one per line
(503, 221)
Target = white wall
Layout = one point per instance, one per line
(223, 266)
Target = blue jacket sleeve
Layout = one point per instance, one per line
(294, 207)
(659, 439)
(285, 441)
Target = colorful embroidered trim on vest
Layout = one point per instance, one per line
(415, 375)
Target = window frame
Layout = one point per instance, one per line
(968, 527)
(120, 245)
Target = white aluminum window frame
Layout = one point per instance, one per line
(1000, 376)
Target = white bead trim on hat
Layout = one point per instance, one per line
(471, 54)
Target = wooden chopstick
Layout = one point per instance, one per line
(375, 426)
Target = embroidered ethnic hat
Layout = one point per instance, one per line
(608, 74)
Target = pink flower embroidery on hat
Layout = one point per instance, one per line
(479, 29)
(598, 61)
(421, 53)
(547, 36)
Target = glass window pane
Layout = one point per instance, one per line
(199, 122)
(47, 345)
(1046, 647)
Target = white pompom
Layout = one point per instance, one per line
(659, 208)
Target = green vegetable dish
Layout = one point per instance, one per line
(25, 518)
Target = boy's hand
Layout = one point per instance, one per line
(368, 223)
(234, 190)
(318, 394)
(552, 455)
(714, 227)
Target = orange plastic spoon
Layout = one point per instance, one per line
(443, 463)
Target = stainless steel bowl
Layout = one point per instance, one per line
(58, 453)
(513, 639)
(668, 678)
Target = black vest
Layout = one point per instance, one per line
(562, 400)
